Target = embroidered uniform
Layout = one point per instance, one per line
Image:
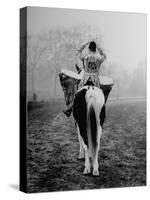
(91, 61)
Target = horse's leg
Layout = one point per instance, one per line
(87, 168)
(95, 159)
(81, 150)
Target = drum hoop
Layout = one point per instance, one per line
(108, 82)
(71, 74)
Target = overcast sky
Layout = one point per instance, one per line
(124, 34)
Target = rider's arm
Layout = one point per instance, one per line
(79, 51)
(103, 55)
(79, 58)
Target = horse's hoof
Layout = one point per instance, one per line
(95, 173)
(86, 171)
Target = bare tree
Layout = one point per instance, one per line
(34, 52)
(52, 50)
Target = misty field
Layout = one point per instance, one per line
(52, 148)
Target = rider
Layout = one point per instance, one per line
(91, 57)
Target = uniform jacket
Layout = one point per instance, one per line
(91, 63)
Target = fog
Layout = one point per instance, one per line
(53, 36)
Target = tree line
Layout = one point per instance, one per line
(54, 49)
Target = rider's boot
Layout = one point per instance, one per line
(68, 112)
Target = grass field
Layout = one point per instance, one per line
(52, 149)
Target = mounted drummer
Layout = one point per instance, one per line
(89, 59)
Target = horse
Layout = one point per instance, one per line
(89, 115)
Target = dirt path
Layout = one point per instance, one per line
(53, 147)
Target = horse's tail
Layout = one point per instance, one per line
(91, 128)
